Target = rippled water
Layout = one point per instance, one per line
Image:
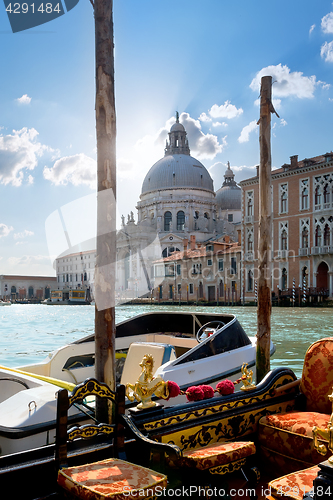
(29, 332)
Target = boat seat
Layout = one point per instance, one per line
(293, 486)
(286, 438)
(216, 458)
(109, 477)
(162, 353)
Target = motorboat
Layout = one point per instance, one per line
(187, 348)
(5, 303)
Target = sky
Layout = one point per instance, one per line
(203, 59)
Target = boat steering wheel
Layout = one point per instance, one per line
(211, 324)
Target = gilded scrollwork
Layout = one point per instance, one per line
(91, 387)
(228, 468)
(89, 431)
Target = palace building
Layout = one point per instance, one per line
(302, 232)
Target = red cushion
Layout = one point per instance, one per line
(111, 478)
(215, 454)
(293, 486)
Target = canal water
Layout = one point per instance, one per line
(29, 332)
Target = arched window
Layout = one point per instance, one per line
(284, 240)
(167, 221)
(305, 198)
(180, 221)
(250, 206)
(317, 196)
(284, 279)
(250, 281)
(326, 194)
(284, 197)
(327, 235)
(250, 242)
(305, 238)
(318, 236)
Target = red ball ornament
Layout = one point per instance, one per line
(194, 393)
(174, 389)
(225, 387)
(208, 391)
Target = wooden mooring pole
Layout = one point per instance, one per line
(105, 329)
(265, 231)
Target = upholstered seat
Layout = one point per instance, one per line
(292, 486)
(217, 454)
(286, 438)
(108, 478)
(111, 478)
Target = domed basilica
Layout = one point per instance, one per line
(177, 202)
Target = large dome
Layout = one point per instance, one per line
(228, 197)
(177, 171)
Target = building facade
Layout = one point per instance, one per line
(302, 230)
(208, 272)
(76, 271)
(21, 288)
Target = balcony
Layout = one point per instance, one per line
(304, 251)
(248, 219)
(321, 250)
(249, 256)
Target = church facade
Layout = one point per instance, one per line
(177, 201)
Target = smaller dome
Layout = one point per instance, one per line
(228, 197)
(177, 127)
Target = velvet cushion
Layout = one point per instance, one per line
(317, 376)
(290, 434)
(293, 486)
(215, 454)
(111, 478)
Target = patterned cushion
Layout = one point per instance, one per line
(215, 454)
(111, 478)
(290, 434)
(317, 376)
(293, 485)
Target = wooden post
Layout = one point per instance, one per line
(265, 231)
(105, 329)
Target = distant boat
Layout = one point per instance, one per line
(68, 297)
(5, 303)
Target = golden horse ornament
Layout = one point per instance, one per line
(147, 385)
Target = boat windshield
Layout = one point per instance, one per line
(230, 338)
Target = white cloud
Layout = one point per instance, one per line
(326, 51)
(30, 179)
(25, 99)
(219, 124)
(30, 265)
(327, 23)
(77, 169)
(245, 133)
(226, 110)
(204, 118)
(19, 152)
(287, 83)
(5, 230)
(311, 29)
(23, 234)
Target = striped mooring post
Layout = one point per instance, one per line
(294, 291)
(304, 289)
(256, 292)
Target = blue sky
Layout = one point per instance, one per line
(202, 58)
